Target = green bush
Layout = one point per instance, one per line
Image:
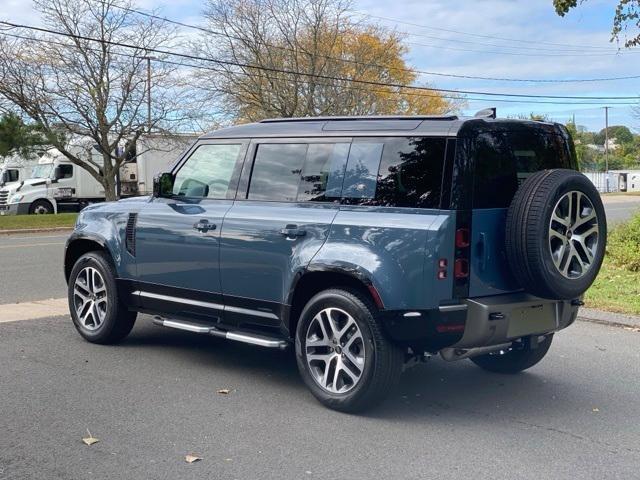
(623, 245)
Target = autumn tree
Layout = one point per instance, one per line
(289, 58)
(626, 15)
(81, 83)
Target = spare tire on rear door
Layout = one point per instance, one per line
(556, 233)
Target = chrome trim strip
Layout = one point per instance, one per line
(188, 327)
(247, 311)
(260, 341)
(412, 314)
(452, 308)
(186, 301)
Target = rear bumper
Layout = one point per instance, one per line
(503, 318)
(479, 322)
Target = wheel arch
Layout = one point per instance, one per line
(79, 245)
(322, 277)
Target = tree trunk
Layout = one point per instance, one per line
(110, 193)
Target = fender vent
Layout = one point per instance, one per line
(130, 234)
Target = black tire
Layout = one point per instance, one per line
(515, 360)
(41, 207)
(528, 245)
(382, 363)
(118, 320)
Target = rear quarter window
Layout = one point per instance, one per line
(395, 172)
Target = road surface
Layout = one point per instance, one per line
(153, 399)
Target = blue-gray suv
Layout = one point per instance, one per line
(367, 243)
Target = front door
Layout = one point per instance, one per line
(278, 224)
(178, 238)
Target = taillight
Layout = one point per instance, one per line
(461, 268)
(462, 238)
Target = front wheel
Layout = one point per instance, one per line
(96, 311)
(341, 352)
(514, 360)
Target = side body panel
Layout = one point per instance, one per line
(396, 249)
(258, 262)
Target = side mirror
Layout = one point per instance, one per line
(163, 185)
(57, 173)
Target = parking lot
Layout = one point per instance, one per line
(154, 398)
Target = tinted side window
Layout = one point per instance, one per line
(298, 172)
(277, 170)
(323, 172)
(208, 172)
(504, 159)
(396, 172)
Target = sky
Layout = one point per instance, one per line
(513, 39)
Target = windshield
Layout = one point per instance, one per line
(42, 171)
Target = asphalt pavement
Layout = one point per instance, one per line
(620, 208)
(154, 399)
(31, 266)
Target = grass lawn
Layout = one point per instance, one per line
(16, 222)
(615, 290)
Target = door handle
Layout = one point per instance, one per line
(204, 226)
(292, 231)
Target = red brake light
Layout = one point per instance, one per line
(461, 268)
(462, 238)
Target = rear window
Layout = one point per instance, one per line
(504, 159)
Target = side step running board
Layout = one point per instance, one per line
(243, 337)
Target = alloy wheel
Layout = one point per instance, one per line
(573, 234)
(334, 350)
(90, 298)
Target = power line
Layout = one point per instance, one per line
(306, 74)
(458, 32)
(522, 54)
(242, 73)
(411, 70)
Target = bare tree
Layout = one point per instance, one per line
(73, 86)
(287, 58)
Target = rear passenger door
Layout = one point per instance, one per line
(287, 200)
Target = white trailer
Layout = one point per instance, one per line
(56, 184)
(153, 154)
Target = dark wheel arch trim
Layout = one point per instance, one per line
(71, 252)
(346, 271)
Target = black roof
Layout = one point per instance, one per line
(442, 126)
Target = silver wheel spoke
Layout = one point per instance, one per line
(90, 298)
(334, 350)
(573, 237)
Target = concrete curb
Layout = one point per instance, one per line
(608, 318)
(36, 230)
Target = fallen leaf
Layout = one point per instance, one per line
(224, 391)
(90, 440)
(191, 458)
(596, 409)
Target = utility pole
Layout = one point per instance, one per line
(149, 93)
(606, 146)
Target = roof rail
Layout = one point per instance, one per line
(372, 117)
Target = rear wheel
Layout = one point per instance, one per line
(341, 352)
(514, 360)
(96, 311)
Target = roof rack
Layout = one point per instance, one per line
(372, 117)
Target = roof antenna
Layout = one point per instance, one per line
(486, 113)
